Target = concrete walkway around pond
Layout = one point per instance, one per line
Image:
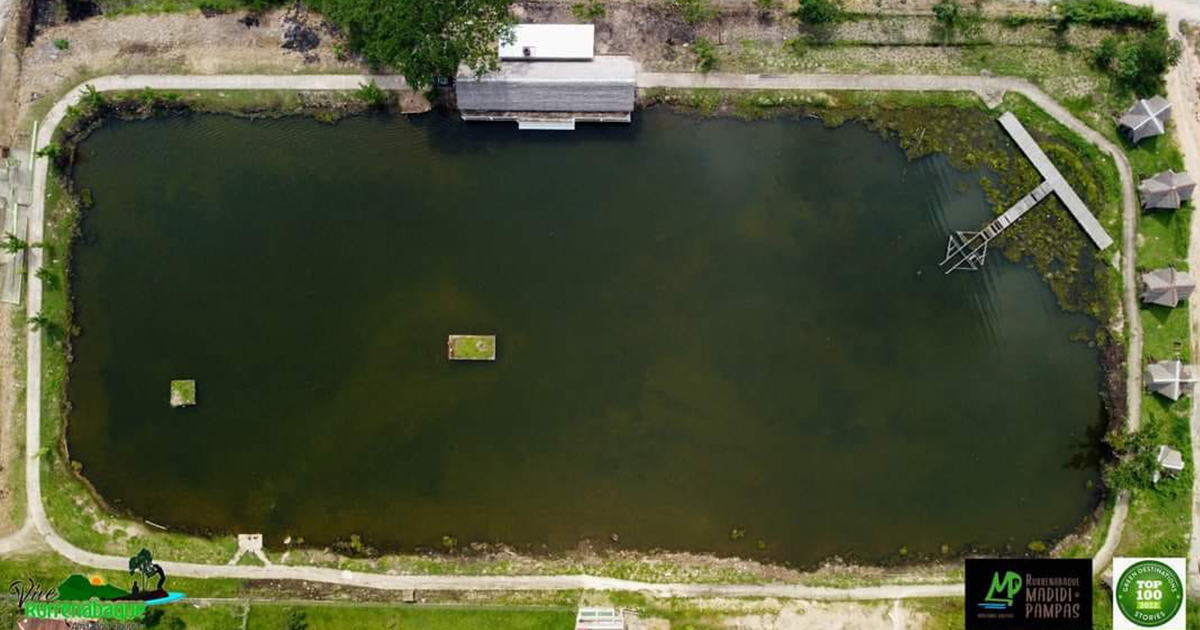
(989, 87)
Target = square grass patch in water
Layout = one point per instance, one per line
(183, 393)
(472, 347)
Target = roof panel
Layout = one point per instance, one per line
(550, 41)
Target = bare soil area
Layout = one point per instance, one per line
(8, 409)
(186, 43)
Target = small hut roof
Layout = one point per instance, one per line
(1170, 458)
(1170, 378)
(1167, 286)
(1168, 189)
(1147, 117)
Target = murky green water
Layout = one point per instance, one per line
(703, 325)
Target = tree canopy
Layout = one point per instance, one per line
(423, 39)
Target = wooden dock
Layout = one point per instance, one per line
(966, 250)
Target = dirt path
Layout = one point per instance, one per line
(987, 86)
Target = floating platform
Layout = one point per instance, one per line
(183, 393)
(471, 347)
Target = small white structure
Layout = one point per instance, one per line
(600, 619)
(541, 42)
(1169, 460)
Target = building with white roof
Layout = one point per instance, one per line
(549, 78)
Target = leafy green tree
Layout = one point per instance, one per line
(818, 12)
(49, 280)
(1138, 61)
(423, 40)
(141, 562)
(92, 98)
(52, 151)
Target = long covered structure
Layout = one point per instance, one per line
(548, 78)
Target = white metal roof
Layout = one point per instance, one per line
(550, 41)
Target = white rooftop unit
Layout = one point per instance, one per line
(599, 619)
(549, 42)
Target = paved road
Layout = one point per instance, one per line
(982, 85)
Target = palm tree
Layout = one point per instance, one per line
(13, 243)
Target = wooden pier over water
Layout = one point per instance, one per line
(966, 250)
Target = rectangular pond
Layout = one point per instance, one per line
(702, 326)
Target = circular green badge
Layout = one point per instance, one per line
(1149, 593)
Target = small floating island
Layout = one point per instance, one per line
(183, 393)
(472, 347)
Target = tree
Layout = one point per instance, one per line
(141, 563)
(49, 278)
(423, 40)
(818, 12)
(1138, 62)
(92, 98)
(52, 151)
(13, 244)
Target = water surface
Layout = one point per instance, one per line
(703, 325)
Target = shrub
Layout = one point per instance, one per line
(706, 54)
(764, 5)
(51, 151)
(798, 46)
(1105, 13)
(694, 11)
(952, 18)
(62, 44)
(818, 12)
(296, 620)
(1137, 62)
(371, 94)
(589, 11)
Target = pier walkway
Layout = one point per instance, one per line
(966, 250)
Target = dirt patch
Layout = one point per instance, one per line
(8, 410)
(186, 43)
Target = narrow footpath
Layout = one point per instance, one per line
(987, 87)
